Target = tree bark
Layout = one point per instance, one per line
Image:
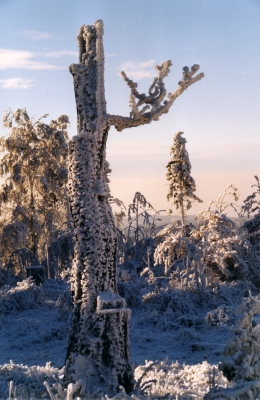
(98, 348)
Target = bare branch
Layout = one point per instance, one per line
(155, 105)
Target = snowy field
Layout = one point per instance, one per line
(176, 339)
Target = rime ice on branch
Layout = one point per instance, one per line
(153, 105)
(98, 350)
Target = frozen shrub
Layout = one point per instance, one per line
(25, 383)
(24, 296)
(140, 219)
(221, 316)
(137, 241)
(182, 262)
(241, 362)
(175, 249)
(243, 349)
(223, 249)
(153, 381)
(164, 380)
(183, 304)
(214, 251)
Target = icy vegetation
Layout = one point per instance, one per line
(192, 290)
(161, 380)
(185, 335)
(194, 329)
(34, 213)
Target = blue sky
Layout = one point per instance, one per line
(219, 115)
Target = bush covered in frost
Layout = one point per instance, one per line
(154, 380)
(220, 316)
(216, 250)
(243, 350)
(241, 361)
(24, 296)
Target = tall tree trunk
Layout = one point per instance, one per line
(98, 348)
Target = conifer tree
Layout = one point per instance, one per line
(33, 198)
(181, 184)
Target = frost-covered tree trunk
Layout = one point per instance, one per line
(98, 349)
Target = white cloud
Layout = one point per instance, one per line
(139, 70)
(61, 53)
(16, 83)
(22, 59)
(36, 35)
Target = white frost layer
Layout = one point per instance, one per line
(185, 381)
(109, 300)
(154, 380)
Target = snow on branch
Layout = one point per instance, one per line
(148, 108)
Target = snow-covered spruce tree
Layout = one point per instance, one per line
(181, 184)
(98, 347)
(33, 196)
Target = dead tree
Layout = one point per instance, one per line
(98, 350)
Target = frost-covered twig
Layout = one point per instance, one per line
(222, 204)
(251, 203)
(154, 104)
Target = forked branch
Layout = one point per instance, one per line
(147, 108)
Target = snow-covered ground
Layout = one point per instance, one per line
(176, 337)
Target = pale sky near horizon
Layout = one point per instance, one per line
(219, 114)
